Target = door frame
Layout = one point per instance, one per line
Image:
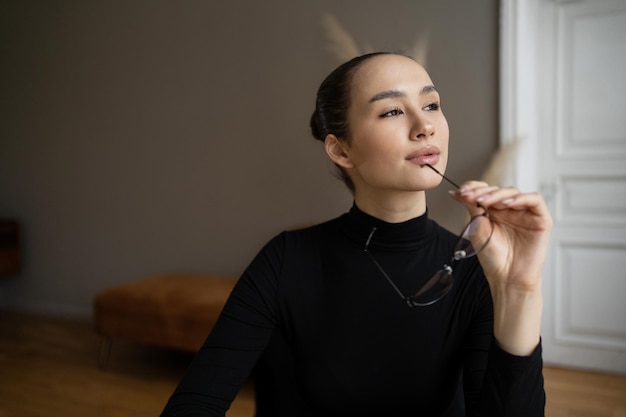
(519, 27)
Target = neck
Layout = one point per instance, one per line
(393, 207)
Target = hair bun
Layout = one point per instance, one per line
(317, 130)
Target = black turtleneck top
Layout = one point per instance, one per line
(324, 333)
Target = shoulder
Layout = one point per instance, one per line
(295, 243)
(311, 233)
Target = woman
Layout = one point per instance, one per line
(317, 315)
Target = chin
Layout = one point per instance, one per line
(429, 185)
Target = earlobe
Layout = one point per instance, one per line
(336, 151)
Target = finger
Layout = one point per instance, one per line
(472, 185)
(532, 202)
(483, 195)
(530, 206)
(469, 201)
(511, 198)
(500, 197)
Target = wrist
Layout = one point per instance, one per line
(517, 318)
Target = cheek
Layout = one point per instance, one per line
(445, 145)
(444, 134)
(378, 153)
(364, 147)
(443, 127)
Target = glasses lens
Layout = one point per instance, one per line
(474, 237)
(435, 288)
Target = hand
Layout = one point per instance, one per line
(515, 255)
(512, 260)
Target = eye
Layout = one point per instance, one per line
(433, 107)
(392, 113)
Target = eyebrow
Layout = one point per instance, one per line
(397, 93)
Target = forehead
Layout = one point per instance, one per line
(388, 72)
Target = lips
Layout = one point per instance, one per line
(425, 156)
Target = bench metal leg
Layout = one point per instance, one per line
(104, 352)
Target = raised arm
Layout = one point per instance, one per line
(513, 260)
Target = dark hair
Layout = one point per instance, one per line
(332, 102)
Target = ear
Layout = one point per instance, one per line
(336, 150)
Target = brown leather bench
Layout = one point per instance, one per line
(174, 311)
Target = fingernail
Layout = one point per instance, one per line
(508, 200)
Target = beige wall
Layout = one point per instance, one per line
(147, 137)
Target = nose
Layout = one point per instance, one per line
(422, 128)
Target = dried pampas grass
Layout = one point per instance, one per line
(499, 171)
(343, 46)
(340, 43)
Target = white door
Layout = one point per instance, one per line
(564, 94)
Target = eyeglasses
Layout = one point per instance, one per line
(472, 240)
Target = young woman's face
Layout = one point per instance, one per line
(396, 127)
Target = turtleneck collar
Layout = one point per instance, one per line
(403, 236)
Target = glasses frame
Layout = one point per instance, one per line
(447, 270)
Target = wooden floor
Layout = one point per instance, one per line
(48, 368)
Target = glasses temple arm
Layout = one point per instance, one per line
(443, 176)
(451, 182)
(380, 268)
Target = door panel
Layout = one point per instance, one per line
(574, 122)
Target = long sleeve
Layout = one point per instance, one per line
(498, 384)
(513, 385)
(230, 352)
(324, 334)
